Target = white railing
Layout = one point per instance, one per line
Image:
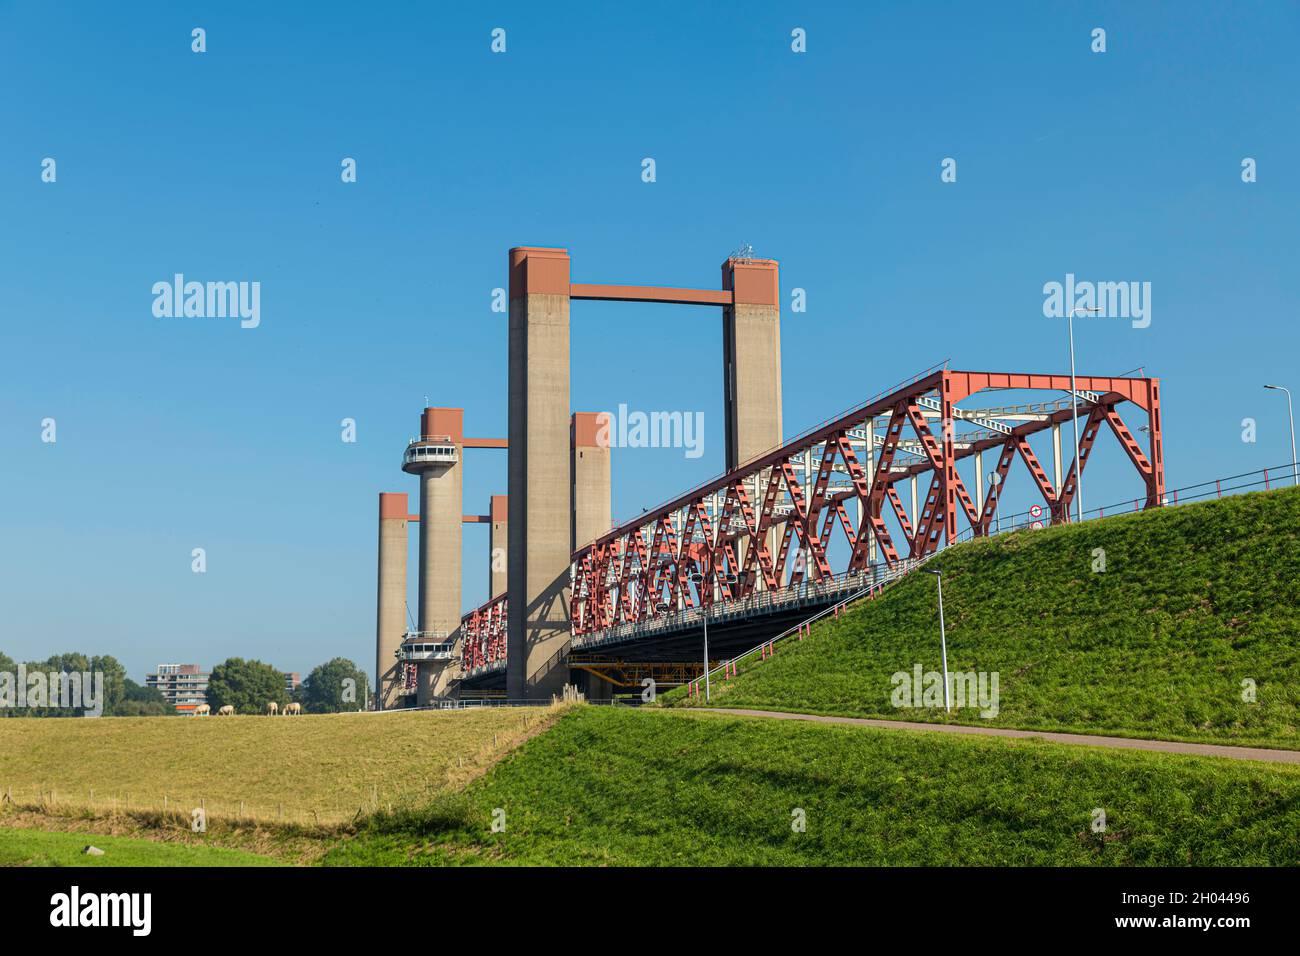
(417, 454)
(426, 651)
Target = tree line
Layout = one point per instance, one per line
(336, 686)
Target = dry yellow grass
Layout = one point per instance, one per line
(300, 770)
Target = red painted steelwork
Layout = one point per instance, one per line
(760, 507)
(483, 635)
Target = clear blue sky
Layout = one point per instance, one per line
(183, 433)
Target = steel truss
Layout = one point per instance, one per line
(739, 531)
(483, 636)
(632, 673)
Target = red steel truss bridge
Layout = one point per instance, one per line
(855, 501)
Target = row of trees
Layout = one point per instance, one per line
(123, 697)
(333, 687)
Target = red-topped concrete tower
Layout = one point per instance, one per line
(498, 544)
(434, 455)
(539, 483)
(390, 618)
(751, 358)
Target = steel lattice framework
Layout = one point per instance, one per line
(739, 531)
(483, 632)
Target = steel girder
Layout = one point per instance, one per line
(483, 635)
(730, 527)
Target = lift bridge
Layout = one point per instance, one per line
(857, 501)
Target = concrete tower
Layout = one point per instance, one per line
(592, 510)
(539, 484)
(751, 359)
(390, 623)
(751, 371)
(434, 456)
(499, 545)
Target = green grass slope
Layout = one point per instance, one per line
(1193, 601)
(43, 848)
(608, 786)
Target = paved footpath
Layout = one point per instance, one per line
(1085, 740)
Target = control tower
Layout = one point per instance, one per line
(434, 456)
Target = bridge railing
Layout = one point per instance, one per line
(1263, 479)
(768, 601)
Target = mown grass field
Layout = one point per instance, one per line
(1193, 601)
(284, 769)
(43, 848)
(606, 786)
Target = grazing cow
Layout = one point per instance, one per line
(202, 710)
(292, 710)
(272, 708)
(226, 711)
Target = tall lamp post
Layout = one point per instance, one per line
(1295, 477)
(1074, 408)
(993, 485)
(943, 641)
(698, 578)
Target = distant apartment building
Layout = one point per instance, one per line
(291, 682)
(184, 686)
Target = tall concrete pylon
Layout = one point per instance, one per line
(751, 370)
(590, 466)
(539, 481)
(498, 544)
(435, 456)
(751, 359)
(592, 506)
(390, 617)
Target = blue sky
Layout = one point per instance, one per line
(183, 433)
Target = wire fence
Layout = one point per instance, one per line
(190, 810)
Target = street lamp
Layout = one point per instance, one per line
(943, 641)
(993, 485)
(698, 578)
(1074, 408)
(1295, 477)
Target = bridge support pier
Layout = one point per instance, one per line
(498, 545)
(390, 622)
(590, 458)
(442, 438)
(751, 369)
(539, 481)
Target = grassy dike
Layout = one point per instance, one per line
(1193, 600)
(608, 786)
